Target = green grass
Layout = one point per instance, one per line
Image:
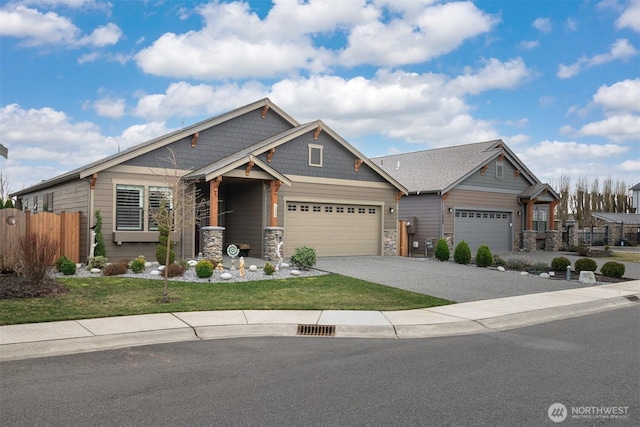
(627, 256)
(114, 296)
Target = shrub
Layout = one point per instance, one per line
(585, 264)
(204, 269)
(613, 269)
(483, 256)
(539, 267)
(462, 253)
(304, 258)
(161, 255)
(499, 261)
(137, 265)
(607, 247)
(442, 250)
(36, 253)
(67, 267)
(583, 250)
(560, 263)
(184, 264)
(515, 264)
(99, 249)
(97, 262)
(175, 270)
(163, 220)
(8, 204)
(59, 262)
(115, 269)
(269, 269)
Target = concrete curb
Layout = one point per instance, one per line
(68, 337)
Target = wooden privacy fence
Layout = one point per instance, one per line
(63, 227)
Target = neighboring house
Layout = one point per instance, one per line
(619, 228)
(481, 193)
(264, 177)
(635, 198)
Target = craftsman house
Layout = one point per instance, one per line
(480, 193)
(263, 176)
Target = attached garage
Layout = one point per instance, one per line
(491, 228)
(333, 229)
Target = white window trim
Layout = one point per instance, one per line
(315, 147)
(145, 202)
(499, 169)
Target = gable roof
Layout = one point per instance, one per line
(251, 152)
(537, 189)
(619, 218)
(441, 169)
(159, 142)
(635, 187)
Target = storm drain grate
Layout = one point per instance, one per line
(317, 330)
(633, 298)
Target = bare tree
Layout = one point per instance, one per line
(5, 188)
(181, 208)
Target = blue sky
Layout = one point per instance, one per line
(558, 81)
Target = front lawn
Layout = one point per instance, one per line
(121, 296)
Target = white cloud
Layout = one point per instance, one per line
(620, 50)
(571, 25)
(433, 31)
(494, 75)
(38, 29)
(529, 44)
(108, 107)
(631, 166)
(619, 128)
(624, 95)
(542, 24)
(630, 18)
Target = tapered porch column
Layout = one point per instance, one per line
(213, 203)
(273, 220)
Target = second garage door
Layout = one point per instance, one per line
(483, 228)
(333, 229)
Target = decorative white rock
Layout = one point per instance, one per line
(587, 277)
(295, 273)
(161, 268)
(192, 263)
(524, 273)
(95, 271)
(544, 275)
(226, 276)
(253, 268)
(155, 273)
(284, 265)
(147, 264)
(501, 268)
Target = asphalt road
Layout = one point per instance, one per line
(493, 379)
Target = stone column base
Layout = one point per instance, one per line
(529, 240)
(272, 236)
(213, 242)
(390, 244)
(553, 239)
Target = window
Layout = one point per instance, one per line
(361, 210)
(540, 220)
(499, 170)
(372, 210)
(315, 155)
(129, 207)
(47, 204)
(351, 210)
(304, 208)
(317, 209)
(157, 197)
(291, 208)
(328, 209)
(340, 209)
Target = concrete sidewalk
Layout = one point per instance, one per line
(68, 337)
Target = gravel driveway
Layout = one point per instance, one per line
(460, 283)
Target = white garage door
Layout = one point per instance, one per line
(483, 228)
(333, 229)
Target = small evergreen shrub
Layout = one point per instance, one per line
(161, 255)
(560, 263)
(304, 258)
(442, 250)
(483, 256)
(184, 264)
(269, 269)
(60, 261)
(583, 250)
(67, 267)
(462, 253)
(175, 270)
(97, 262)
(137, 265)
(99, 249)
(115, 269)
(613, 269)
(8, 204)
(585, 264)
(204, 269)
(607, 247)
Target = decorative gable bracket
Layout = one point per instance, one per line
(358, 163)
(194, 139)
(264, 111)
(316, 134)
(484, 169)
(247, 169)
(270, 155)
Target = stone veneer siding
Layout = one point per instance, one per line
(572, 234)
(272, 236)
(529, 240)
(390, 243)
(553, 240)
(613, 234)
(213, 241)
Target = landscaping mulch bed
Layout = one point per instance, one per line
(14, 286)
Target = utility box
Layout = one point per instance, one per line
(411, 225)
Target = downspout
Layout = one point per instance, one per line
(90, 209)
(521, 223)
(441, 216)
